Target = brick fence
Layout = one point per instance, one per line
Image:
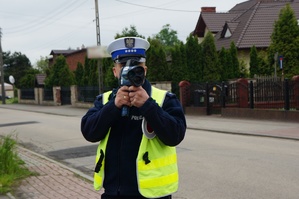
(243, 98)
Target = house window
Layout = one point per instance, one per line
(227, 34)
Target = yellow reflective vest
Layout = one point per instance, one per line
(157, 171)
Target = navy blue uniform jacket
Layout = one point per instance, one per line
(168, 123)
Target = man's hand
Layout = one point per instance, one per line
(137, 96)
(122, 97)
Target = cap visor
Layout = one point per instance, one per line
(125, 58)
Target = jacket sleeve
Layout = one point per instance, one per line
(95, 123)
(168, 122)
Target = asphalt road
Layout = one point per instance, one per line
(212, 165)
(215, 165)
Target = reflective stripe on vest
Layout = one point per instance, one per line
(156, 163)
(100, 157)
(157, 171)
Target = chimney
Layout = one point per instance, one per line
(208, 9)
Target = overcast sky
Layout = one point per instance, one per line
(35, 27)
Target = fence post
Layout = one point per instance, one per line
(57, 95)
(36, 96)
(286, 95)
(74, 95)
(41, 96)
(208, 99)
(19, 95)
(184, 93)
(295, 79)
(251, 95)
(242, 93)
(223, 94)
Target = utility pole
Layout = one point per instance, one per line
(97, 23)
(2, 71)
(100, 67)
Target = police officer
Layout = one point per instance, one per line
(136, 157)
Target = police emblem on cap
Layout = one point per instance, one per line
(129, 42)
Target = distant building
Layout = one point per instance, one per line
(8, 88)
(247, 24)
(72, 57)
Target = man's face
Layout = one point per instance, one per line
(118, 66)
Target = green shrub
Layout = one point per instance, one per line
(13, 100)
(12, 167)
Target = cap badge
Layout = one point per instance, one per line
(130, 42)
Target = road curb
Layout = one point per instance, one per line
(77, 172)
(244, 134)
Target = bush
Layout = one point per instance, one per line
(11, 166)
(13, 100)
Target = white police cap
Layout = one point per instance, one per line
(128, 46)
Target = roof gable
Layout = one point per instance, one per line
(216, 21)
(255, 25)
(228, 29)
(246, 24)
(213, 21)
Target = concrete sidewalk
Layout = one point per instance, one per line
(55, 180)
(52, 180)
(249, 127)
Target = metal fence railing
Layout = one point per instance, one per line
(48, 94)
(263, 93)
(87, 93)
(27, 93)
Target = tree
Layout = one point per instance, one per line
(59, 74)
(211, 67)
(156, 62)
(254, 62)
(126, 32)
(15, 64)
(194, 59)
(79, 74)
(264, 67)
(178, 66)
(235, 67)
(90, 72)
(28, 81)
(183, 62)
(42, 64)
(224, 63)
(93, 79)
(109, 80)
(285, 41)
(244, 73)
(167, 36)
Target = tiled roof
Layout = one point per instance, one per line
(232, 25)
(67, 52)
(242, 7)
(61, 52)
(216, 21)
(76, 51)
(252, 25)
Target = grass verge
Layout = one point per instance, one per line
(12, 167)
(10, 101)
